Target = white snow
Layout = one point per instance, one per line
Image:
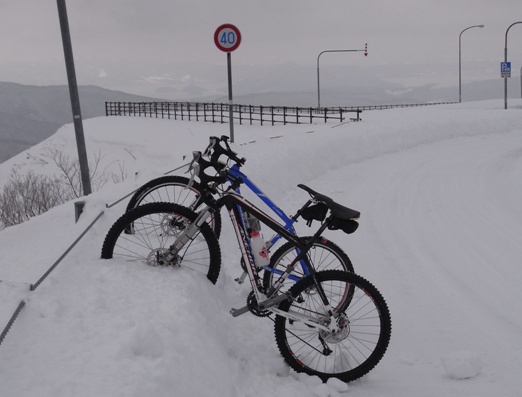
(440, 192)
(462, 364)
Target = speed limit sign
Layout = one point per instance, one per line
(227, 37)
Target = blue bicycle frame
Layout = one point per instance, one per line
(288, 222)
(235, 171)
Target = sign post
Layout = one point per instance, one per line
(505, 73)
(227, 38)
(506, 65)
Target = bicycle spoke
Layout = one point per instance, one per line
(357, 333)
(145, 234)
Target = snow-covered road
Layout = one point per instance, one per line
(439, 190)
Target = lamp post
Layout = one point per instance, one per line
(460, 67)
(505, 60)
(318, 85)
(75, 100)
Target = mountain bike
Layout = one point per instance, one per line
(189, 193)
(181, 190)
(330, 323)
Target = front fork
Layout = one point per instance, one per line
(188, 234)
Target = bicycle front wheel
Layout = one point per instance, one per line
(364, 327)
(324, 255)
(145, 233)
(173, 189)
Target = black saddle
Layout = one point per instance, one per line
(338, 210)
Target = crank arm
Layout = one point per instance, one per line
(239, 312)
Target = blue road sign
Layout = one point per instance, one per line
(505, 69)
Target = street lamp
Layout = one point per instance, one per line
(460, 67)
(75, 99)
(318, 86)
(505, 60)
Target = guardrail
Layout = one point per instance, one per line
(11, 320)
(219, 112)
(403, 105)
(33, 287)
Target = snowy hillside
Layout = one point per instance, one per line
(29, 114)
(439, 190)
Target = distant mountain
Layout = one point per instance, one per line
(18, 133)
(384, 94)
(30, 114)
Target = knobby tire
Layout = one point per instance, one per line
(355, 350)
(172, 189)
(143, 233)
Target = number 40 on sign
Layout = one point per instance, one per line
(227, 37)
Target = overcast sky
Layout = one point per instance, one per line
(141, 45)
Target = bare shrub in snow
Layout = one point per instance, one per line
(70, 173)
(31, 194)
(25, 196)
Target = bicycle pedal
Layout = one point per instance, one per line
(241, 279)
(239, 312)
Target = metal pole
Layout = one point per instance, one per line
(505, 78)
(460, 67)
(230, 102)
(75, 100)
(318, 86)
(521, 82)
(505, 60)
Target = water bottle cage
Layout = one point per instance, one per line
(251, 222)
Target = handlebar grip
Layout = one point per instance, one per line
(203, 165)
(218, 150)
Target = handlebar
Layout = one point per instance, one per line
(214, 150)
(199, 165)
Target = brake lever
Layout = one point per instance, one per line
(231, 154)
(212, 143)
(193, 167)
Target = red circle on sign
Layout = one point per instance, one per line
(227, 37)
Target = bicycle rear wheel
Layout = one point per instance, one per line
(144, 234)
(364, 327)
(173, 189)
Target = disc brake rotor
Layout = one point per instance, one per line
(172, 225)
(342, 333)
(157, 257)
